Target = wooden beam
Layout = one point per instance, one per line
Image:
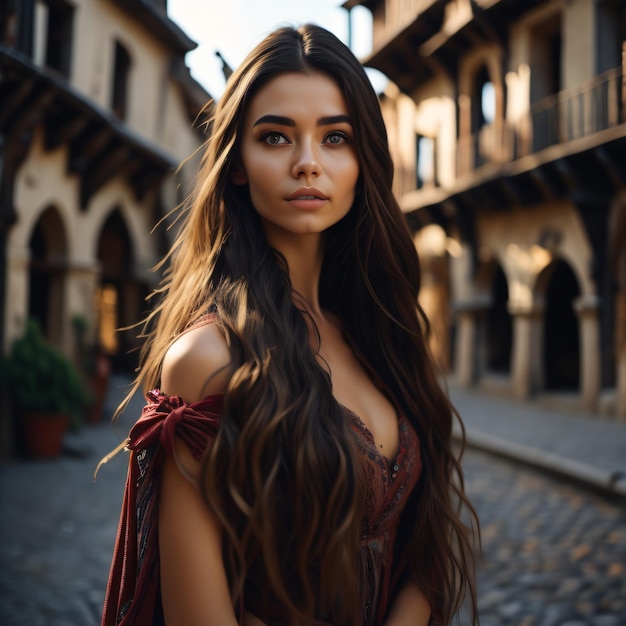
(610, 167)
(566, 173)
(147, 178)
(122, 162)
(101, 170)
(554, 179)
(87, 146)
(542, 184)
(64, 129)
(492, 31)
(510, 191)
(14, 101)
(30, 113)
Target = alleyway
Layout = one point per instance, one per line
(554, 552)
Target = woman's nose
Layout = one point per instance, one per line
(305, 161)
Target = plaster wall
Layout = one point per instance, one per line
(155, 107)
(98, 24)
(579, 45)
(514, 238)
(43, 181)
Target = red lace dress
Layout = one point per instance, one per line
(133, 590)
(389, 485)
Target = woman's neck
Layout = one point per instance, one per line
(304, 255)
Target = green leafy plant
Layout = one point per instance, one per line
(41, 378)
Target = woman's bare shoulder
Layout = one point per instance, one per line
(196, 364)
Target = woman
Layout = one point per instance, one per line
(295, 466)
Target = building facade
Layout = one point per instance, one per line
(507, 124)
(97, 110)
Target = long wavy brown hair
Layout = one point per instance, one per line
(283, 475)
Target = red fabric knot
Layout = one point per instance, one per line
(146, 431)
(166, 417)
(169, 426)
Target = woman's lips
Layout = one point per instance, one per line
(307, 199)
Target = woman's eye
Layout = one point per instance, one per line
(274, 139)
(336, 138)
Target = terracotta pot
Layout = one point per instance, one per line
(43, 434)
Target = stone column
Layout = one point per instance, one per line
(527, 373)
(81, 282)
(586, 308)
(466, 351)
(16, 304)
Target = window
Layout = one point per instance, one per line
(121, 71)
(426, 162)
(483, 100)
(54, 21)
(9, 22)
(546, 55)
(488, 102)
(40, 29)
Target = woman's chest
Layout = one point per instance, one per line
(389, 481)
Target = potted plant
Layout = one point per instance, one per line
(47, 391)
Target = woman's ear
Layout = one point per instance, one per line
(238, 176)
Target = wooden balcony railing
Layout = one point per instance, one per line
(580, 111)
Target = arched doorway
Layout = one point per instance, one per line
(48, 259)
(499, 331)
(561, 338)
(116, 299)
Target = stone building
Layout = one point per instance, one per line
(507, 123)
(97, 110)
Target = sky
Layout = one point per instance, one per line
(234, 27)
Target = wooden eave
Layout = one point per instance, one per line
(100, 146)
(368, 4)
(399, 58)
(155, 20)
(427, 46)
(594, 165)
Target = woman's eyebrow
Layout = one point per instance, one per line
(334, 119)
(287, 121)
(274, 119)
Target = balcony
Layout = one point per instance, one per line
(569, 145)
(562, 119)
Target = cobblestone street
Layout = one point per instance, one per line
(57, 529)
(554, 552)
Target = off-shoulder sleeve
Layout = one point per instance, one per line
(133, 589)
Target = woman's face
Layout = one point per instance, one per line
(298, 156)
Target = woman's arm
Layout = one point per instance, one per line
(194, 585)
(410, 608)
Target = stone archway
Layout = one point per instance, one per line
(47, 271)
(494, 326)
(117, 299)
(561, 348)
